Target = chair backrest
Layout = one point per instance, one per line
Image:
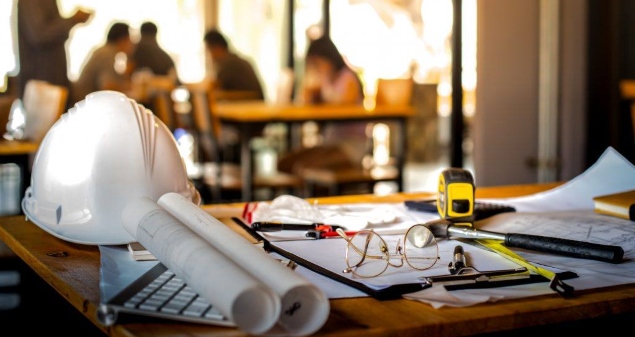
(158, 92)
(5, 110)
(207, 124)
(43, 103)
(396, 91)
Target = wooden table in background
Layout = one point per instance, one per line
(250, 116)
(76, 278)
(19, 152)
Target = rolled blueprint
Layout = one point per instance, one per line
(250, 304)
(305, 308)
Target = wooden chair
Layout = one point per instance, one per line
(5, 110)
(328, 169)
(394, 91)
(43, 103)
(220, 175)
(157, 93)
(340, 174)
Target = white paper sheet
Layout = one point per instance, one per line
(611, 173)
(330, 254)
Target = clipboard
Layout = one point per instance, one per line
(392, 291)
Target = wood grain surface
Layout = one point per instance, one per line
(73, 271)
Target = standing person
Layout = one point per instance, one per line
(328, 79)
(233, 73)
(101, 72)
(42, 33)
(149, 55)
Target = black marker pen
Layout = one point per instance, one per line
(265, 226)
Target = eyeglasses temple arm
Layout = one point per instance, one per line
(341, 232)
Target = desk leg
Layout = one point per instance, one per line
(294, 136)
(246, 163)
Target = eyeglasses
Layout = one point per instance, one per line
(367, 253)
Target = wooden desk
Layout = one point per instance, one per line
(18, 152)
(76, 278)
(249, 116)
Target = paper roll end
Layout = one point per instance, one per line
(305, 309)
(256, 310)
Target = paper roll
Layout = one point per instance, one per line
(305, 308)
(251, 305)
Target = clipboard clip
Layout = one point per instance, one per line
(462, 273)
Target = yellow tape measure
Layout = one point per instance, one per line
(455, 199)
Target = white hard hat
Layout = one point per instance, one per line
(102, 153)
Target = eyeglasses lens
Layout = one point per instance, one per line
(367, 254)
(420, 247)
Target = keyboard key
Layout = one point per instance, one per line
(151, 304)
(174, 307)
(196, 309)
(213, 313)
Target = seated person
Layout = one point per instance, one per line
(148, 54)
(100, 72)
(328, 79)
(233, 72)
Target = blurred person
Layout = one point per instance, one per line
(149, 55)
(100, 71)
(233, 72)
(42, 33)
(328, 79)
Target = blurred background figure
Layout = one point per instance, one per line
(42, 33)
(233, 72)
(328, 79)
(149, 56)
(107, 67)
